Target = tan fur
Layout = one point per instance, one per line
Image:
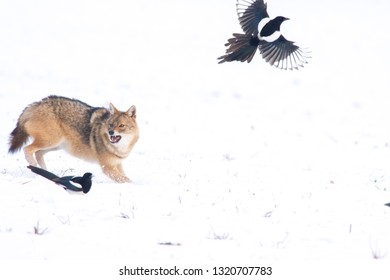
(106, 136)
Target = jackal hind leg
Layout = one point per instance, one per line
(29, 155)
(36, 150)
(39, 157)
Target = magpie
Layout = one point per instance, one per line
(263, 33)
(67, 181)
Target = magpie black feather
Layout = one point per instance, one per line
(67, 181)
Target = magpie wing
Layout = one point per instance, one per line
(283, 54)
(250, 13)
(65, 178)
(66, 182)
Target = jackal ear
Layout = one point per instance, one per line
(132, 112)
(113, 110)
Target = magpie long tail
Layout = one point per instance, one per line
(64, 181)
(242, 47)
(43, 173)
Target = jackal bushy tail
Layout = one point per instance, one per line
(17, 139)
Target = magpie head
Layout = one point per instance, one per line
(278, 21)
(87, 176)
(86, 182)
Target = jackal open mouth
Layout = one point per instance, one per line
(115, 139)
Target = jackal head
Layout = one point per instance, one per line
(122, 126)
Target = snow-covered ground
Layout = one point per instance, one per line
(235, 161)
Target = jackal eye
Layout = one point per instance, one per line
(121, 125)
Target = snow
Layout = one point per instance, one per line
(235, 161)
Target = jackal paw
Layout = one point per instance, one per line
(122, 179)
